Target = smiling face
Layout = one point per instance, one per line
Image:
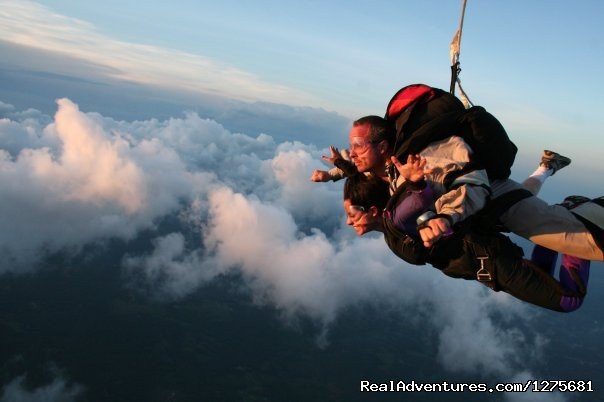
(361, 219)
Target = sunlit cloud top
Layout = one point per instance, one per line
(30, 24)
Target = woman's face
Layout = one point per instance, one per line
(361, 220)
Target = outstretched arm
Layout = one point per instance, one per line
(334, 173)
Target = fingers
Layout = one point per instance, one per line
(439, 225)
(334, 151)
(434, 230)
(319, 176)
(329, 159)
(335, 154)
(414, 168)
(420, 163)
(427, 236)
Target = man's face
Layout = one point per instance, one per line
(366, 155)
(360, 220)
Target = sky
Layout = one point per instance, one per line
(115, 118)
(534, 65)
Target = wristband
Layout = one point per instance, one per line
(422, 220)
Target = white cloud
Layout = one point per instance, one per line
(30, 24)
(308, 274)
(468, 341)
(85, 178)
(307, 201)
(20, 129)
(88, 184)
(90, 162)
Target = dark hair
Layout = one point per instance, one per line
(366, 191)
(379, 128)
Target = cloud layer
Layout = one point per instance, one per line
(74, 181)
(245, 206)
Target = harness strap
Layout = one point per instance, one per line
(450, 179)
(486, 271)
(497, 206)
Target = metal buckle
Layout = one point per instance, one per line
(483, 275)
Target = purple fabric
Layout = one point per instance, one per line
(545, 258)
(412, 206)
(581, 267)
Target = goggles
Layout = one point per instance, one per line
(356, 211)
(359, 144)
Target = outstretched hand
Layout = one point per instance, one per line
(335, 154)
(322, 175)
(414, 170)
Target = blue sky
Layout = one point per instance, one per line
(350, 56)
(534, 64)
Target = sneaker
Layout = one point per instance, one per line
(553, 160)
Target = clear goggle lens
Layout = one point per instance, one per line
(359, 143)
(356, 211)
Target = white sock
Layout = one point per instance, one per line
(542, 173)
